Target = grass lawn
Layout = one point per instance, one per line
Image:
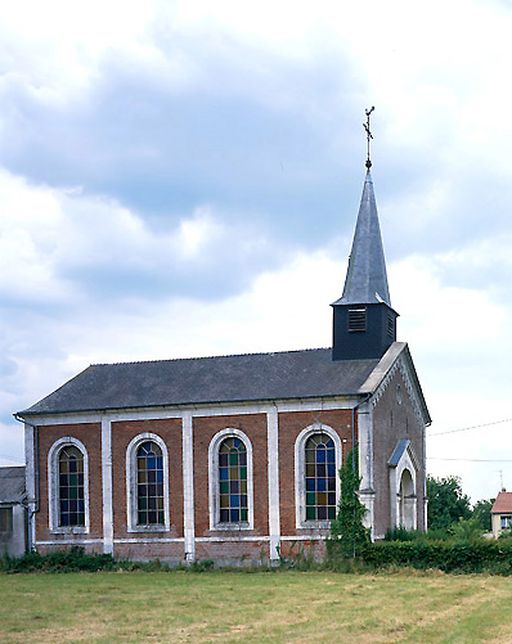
(254, 607)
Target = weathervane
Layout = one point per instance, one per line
(369, 136)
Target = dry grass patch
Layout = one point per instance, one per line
(254, 607)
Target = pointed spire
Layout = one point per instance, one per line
(366, 281)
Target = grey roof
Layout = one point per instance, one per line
(12, 484)
(251, 377)
(366, 281)
(400, 448)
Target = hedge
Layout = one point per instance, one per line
(482, 556)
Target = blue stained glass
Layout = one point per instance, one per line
(320, 455)
(321, 485)
(243, 501)
(310, 485)
(224, 473)
(151, 463)
(237, 443)
(72, 465)
(234, 516)
(234, 500)
(331, 469)
(160, 476)
(159, 462)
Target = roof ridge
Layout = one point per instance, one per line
(223, 355)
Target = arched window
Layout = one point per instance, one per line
(317, 485)
(233, 499)
(71, 487)
(150, 484)
(68, 486)
(320, 475)
(147, 484)
(230, 481)
(403, 469)
(407, 501)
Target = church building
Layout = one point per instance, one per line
(235, 458)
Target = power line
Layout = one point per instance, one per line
(471, 460)
(465, 429)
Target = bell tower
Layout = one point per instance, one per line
(364, 323)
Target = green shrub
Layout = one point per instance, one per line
(348, 534)
(466, 530)
(73, 559)
(203, 565)
(402, 534)
(479, 556)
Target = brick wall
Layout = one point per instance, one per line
(169, 430)
(290, 426)
(393, 421)
(90, 435)
(255, 426)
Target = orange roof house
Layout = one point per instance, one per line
(501, 513)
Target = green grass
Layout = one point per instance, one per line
(254, 607)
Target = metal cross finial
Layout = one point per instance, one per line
(369, 136)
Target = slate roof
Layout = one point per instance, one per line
(400, 448)
(366, 281)
(285, 375)
(503, 503)
(12, 484)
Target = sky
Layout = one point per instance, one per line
(182, 179)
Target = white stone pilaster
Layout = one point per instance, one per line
(274, 526)
(365, 450)
(30, 482)
(188, 486)
(106, 480)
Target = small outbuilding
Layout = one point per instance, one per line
(13, 511)
(501, 513)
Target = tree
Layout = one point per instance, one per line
(446, 502)
(482, 513)
(348, 533)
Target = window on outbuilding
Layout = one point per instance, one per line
(71, 487)
(233, 497)
(5, 521)
(320, 478)
(150, 485)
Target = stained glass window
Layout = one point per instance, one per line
(320, 466)
(71, 487)
(150, 484)
(233, 502)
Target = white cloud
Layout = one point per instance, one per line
(438, 76)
